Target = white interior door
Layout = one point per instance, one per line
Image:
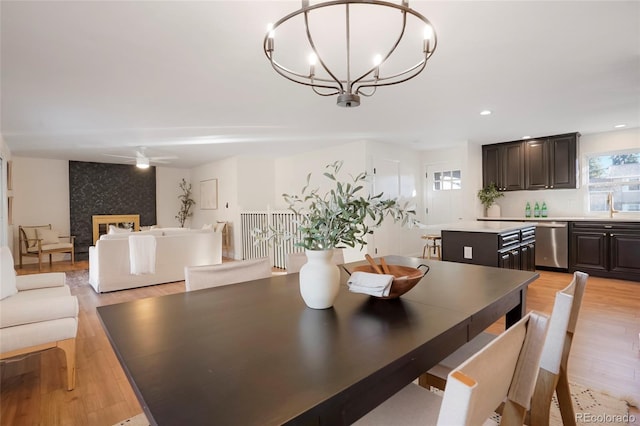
(386, 180)
(443, 193)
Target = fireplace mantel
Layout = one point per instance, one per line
(113, 219)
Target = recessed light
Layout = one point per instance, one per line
(526, 137)
(485, 112)
(620, 126)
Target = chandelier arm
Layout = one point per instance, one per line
(393, 48)
(421, 66)
(283, 72)
(315, 89)
(313, 47)
(367, 94)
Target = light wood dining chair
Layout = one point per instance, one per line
(199, 277)
(552, 376)
(504, 370)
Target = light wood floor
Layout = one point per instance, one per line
(605, 355)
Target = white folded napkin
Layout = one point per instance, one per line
(372, 284)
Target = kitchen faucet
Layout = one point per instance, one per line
(610, 201)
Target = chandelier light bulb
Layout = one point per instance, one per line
(428, 32)
(270, 30)
(313, 59)
(377, 60)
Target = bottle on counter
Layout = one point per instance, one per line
(527, 210)
(543, 211)
(536, 210)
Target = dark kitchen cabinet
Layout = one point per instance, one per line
(503, 164)
(550, 163)
(542, 163)
(509, 250)
(606, 249)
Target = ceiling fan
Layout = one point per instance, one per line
(142, 160)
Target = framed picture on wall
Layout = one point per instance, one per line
(209, 194)
(10, 210)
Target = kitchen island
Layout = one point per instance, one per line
(502, 244)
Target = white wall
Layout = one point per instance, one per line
(573, 202)
(256, 183)
(226, 172)
(41, 196)
(167, 191)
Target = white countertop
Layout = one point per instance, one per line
(618, 218)
(495, 227)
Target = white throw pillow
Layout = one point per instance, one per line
(115, 230)
(7, 274)
(48, 236)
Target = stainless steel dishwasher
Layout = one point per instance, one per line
(552, 244)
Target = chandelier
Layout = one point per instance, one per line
(350, 76)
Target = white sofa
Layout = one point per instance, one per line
(109, 266)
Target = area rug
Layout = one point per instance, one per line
(591, 407)
(75, 279)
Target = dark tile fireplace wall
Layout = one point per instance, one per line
(100, 188)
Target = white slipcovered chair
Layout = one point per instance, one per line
(504, 370)
(199, 277)
(552, 376)
(296, 260)
(37, 312)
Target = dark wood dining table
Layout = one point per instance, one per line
(254, 354)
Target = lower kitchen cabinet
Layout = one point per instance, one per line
(605, 249)
(514, 249)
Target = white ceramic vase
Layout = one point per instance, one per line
(493, 211)
(319, 279)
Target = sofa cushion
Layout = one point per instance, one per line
(31, 235)
(46, 247)
(28, 335)
(7, 274)
(48, 236)
(115, 230)
(32, 306)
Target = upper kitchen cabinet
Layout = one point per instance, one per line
(503, 164)
(550, 163)
(541, 163)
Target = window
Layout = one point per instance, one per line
(616, 173)
(448, 180)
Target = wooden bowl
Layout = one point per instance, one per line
(406, 277)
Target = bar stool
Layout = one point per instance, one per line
(432, 244)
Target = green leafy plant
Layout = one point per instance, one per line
(186, 203)
(489, 194)
(341, 217)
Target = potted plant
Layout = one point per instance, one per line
(186, 203)
(488, 196)
(341, 217)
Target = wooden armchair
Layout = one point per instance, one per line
(39, 240)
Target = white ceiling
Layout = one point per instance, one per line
(81, 79)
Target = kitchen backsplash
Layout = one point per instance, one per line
(560, 203)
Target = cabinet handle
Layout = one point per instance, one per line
(546, 186)
(608, 226)
(551, 186)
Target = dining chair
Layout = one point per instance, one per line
(504, 370)
(296, 260)
(552, 376)
(199, 277)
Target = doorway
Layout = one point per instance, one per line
(443, 193)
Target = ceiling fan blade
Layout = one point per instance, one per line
(166, 157)
(120, 156)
